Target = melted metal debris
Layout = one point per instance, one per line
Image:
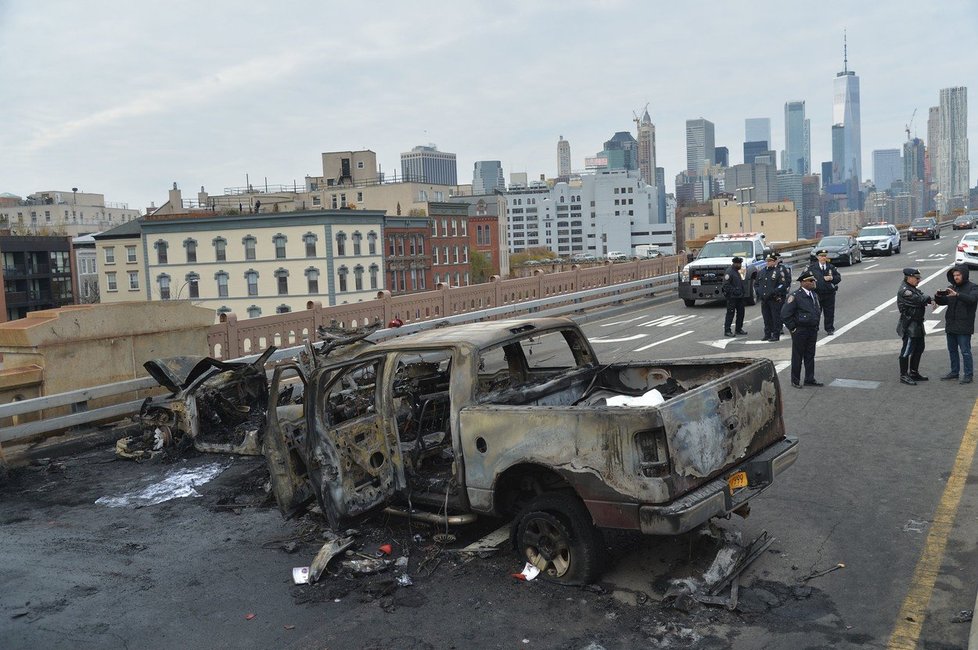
(176, 484)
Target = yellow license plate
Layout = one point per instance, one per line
(737, 481)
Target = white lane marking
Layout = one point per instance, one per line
(623, 322)
(892, 301)
(667, 320)
(855, 383)
(781, 366)
(671, 338)
(871, 266)
(939, 309)
(932, 327)
(719, 343)
(627, 338)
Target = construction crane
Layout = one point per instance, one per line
(637, 118)
(910, 123)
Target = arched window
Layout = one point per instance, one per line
(161, 251)
(312, 276)
(190, 245)
(374, 272)
(222, 284)
(341, 243)
(372, 243)
(279, 240)
(283, 309)
(358, 277)
(220, 249)
(310, 239)
(357, 239)
(163, 281)
(254, 311)
(193, 285)
(342, 273)
(251, 279)
(282, 279)
(249, 243)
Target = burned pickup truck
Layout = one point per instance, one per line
(518, 418)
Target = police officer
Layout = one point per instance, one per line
(772, 287)
(801, 313)
(734, 287)
(911, 302)
(827, 281)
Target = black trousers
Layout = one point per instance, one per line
(803, 351)
(827, 302)
(734, 306)
(910, 352)
(771, 312)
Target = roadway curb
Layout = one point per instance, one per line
(973, 636)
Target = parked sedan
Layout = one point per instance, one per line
(964, 222)
(967, 251)
(923, 229)
(842, 249)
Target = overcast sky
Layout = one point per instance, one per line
(124, 98)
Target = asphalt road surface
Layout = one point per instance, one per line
(884, 485)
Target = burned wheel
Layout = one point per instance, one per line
(554, 533)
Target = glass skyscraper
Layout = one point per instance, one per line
(845, 114)
(797, 147)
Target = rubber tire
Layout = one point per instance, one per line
(689, 302)
(751, 296)
(564, 512)
(890, 251)
(898, 249)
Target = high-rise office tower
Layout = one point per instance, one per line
(887, 167)
(954, 176)
(798, 155)
(753, 149)
(700, 146)
(487, 177)
(425, 164)
(646, 149)
(933, 145)
(913, 160)
(757, 129)
(621, 151)
(845, 113)
(563, 159)
(721, 156)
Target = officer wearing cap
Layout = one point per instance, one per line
(772, 288)
(911, 303)
(827, 281)
(734, 287)
(801, 314)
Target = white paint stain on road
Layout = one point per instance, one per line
(671, 338)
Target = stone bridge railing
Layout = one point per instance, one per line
(232, 338)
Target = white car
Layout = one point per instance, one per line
(967, 252)
(879, 239)
(617, 256)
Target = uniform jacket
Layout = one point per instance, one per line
(800, 311)
(823, 286)
(773, 282)
(960, 316)
(911, 302)
(733, 285)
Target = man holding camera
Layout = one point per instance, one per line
(961, 298)
(911, 303)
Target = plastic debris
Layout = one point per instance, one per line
(529, 573)
(366, 566)
(404, 580)
(401, 562)
(312, 573)
(386, 549)
(248, 617)
(651, 398)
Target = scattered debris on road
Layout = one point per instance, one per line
(818, 574)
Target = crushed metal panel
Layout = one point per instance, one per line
(285, 440)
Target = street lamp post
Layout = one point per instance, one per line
(749, 203)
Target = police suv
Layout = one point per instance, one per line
(702, 278)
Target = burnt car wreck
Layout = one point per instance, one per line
(519, 419)
(213, 406)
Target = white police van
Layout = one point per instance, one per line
(702, 278)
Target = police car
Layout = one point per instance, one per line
(702, 278)
(879, 239)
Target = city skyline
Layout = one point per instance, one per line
(134, 113)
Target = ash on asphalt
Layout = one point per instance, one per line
(184, 572)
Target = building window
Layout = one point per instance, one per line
(312, 276)
(372, 243)
(282, 278)
(110, 282)
(249, 246)
(411, 246)
(131, 254)
(342, 275)
(444, 227)
(222, 284)
(444, 255)
(164, 282)
(251, 278)
(434, 260)
(223, 309)
(456, 258)
(465, 228)
(358, 277)
(191, 246)
(434, 228)
(193, 286)
(454, 228)
(420, 244)
(309, 239)
(161, 250)
(110, 254)
(283, 309)
(374, 271)
(400, 245)
(254, 311)
(220, 249)
(357, 238)
(133, 280)
(341, 243)
(279, 241)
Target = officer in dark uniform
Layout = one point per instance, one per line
(911, 302)
(772, 287)
(734, 287)
(801, 313)
(827, 281)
